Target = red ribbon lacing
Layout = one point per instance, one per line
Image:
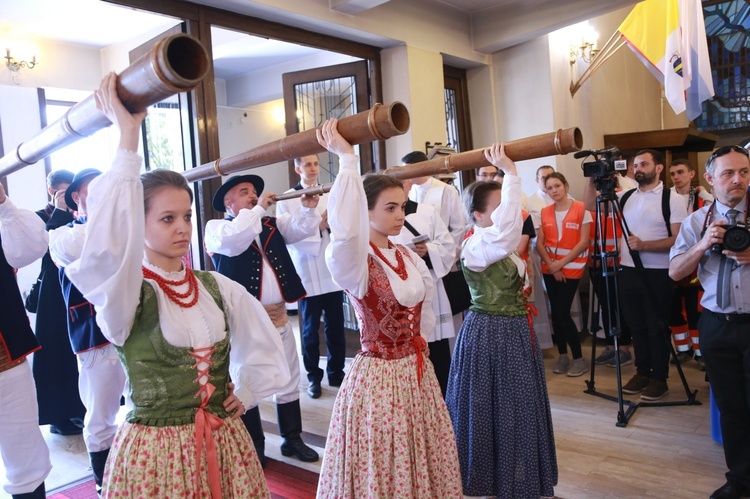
(420, 344)
(205, 424)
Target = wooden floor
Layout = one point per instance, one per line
(664, 452)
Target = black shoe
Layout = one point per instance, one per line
(39, 493)
(335, 381)
(314, 390)
(296, 447)
(65, 428)
(729, 491)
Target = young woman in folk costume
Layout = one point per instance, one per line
(562, 244)
(497, 393)
(173, 329)
(390, 433)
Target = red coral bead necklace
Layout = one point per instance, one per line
(400, 268)
(169, 286)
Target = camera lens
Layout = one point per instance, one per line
(737, 239)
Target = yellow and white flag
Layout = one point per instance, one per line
(669, 36)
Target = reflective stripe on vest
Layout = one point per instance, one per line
(610, 243)
(557, 247)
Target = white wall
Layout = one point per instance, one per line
(239, 133)
(19, 115)
(414, 77)
(263, 86)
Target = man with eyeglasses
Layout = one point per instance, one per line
(725, 322)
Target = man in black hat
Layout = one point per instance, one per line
(250, 248)
(55, 367)
(101, 376)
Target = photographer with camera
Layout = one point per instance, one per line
(651, 216)
(716, 240)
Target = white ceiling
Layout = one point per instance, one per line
(97, 24)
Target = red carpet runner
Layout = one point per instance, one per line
(284, 482)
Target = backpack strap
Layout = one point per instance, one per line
(666, 210)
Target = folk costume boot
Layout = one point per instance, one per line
(255, 428)
(290, 428)
(98, 460)
(39, 493)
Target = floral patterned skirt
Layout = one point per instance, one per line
(390, 436)
(150, 461)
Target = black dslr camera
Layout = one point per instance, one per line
(736, 238)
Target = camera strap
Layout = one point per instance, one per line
(712, 209)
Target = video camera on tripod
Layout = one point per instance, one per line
(606, 162)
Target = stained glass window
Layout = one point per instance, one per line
(728, 31)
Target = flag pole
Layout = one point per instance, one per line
(607, 51)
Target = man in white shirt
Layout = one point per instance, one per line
(652, 218)
(323, 297)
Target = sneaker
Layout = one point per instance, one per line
(563, 363)
(682, 357)
(578, 367)
(701, 364)
(655, 390)
(637, 383)
(626, 358)
(604, 357)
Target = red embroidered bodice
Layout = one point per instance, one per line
(388, 330)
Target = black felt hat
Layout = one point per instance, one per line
(218, 201)
(75, 185)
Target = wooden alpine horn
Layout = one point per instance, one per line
(379, 123)
(174, 64)
(563, 141)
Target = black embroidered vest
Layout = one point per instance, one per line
(247, 268)
(15, 331)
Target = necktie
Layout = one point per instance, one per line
(725, 269)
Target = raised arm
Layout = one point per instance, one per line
(494, 243)
(346, 256)
(109, 271)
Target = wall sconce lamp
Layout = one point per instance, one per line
(587, 50)
(15, 65)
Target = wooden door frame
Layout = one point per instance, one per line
(455, 79)
(358, 69)
(199, 19)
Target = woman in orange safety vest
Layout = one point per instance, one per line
(562, 244)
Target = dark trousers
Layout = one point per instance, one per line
(601, 293)
(646, 313)
(726, 351)
(331, 307)
(440, 356)
(561, 295)
(685, 298)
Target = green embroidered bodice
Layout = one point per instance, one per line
(162, 377)
(497, 290)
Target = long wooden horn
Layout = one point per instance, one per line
(174, 64)
(379, 123)
(548, 144)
